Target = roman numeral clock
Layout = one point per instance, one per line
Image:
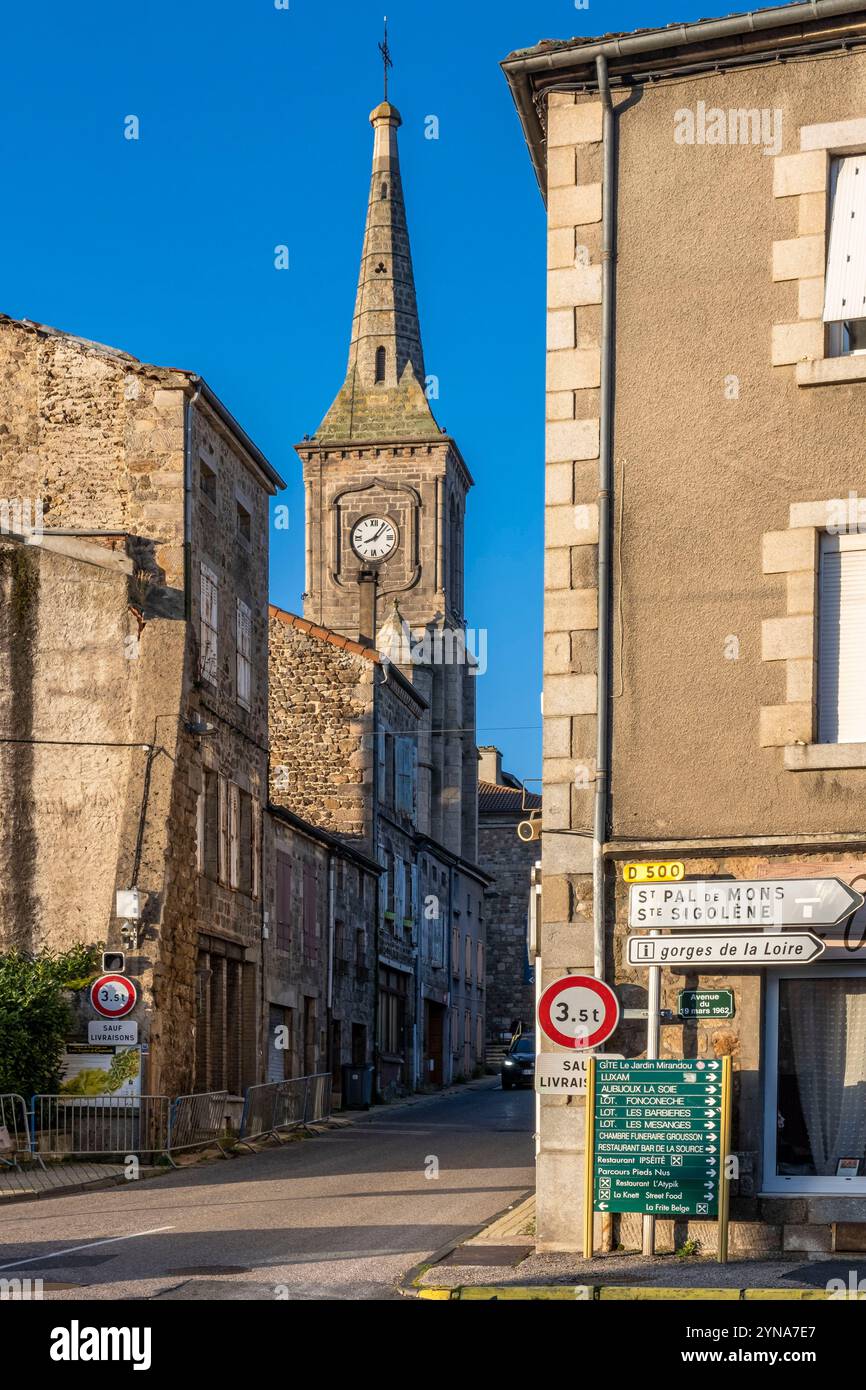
(374, 538)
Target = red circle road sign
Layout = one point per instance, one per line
(113, 996)
(578, 1011)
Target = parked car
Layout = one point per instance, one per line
(518, 1066)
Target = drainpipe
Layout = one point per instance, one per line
(605, 483)
(187, 504)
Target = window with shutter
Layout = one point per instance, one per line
(234, 835)
(284, 902)
(311, 945)
(223, 846)
(845, 288)
(210, 861)
(209, 624)
(244, 654)
(841, 648)
(245, 849)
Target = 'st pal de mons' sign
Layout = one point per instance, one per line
(780, 902)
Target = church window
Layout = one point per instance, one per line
(380, 364)
(383, 192)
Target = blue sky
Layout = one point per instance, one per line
(253, 134)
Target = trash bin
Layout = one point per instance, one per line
(357, 1086)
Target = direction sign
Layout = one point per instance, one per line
(113, 996)
(657, 1136)
(780, 902)
(578, 1011)
(727, 952)
(705, 1003)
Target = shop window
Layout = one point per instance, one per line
(815, 1120)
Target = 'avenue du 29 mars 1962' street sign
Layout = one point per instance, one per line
(780, 902)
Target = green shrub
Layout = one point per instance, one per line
(35, 1019)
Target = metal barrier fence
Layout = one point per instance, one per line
(104, 1124)
(284, 1105)
(14, 1130)
(196, 1120)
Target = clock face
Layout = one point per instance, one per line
(374, 537)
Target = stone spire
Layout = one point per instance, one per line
(383, 396)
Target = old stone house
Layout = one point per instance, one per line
(705, 562)
(319, 950)
(135, 689)
(503, 803)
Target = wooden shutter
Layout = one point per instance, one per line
(310, 941)
(841, 646)
(234, 835)
(223, 850)
(845, 291)
(284, 901)
(209, 624)
(244, 654)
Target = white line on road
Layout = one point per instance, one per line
(71, 1249)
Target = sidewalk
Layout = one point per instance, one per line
(29, 1182)
(500, 1263)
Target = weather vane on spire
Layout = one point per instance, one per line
(386, 57)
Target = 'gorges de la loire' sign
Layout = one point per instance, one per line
(788, 902)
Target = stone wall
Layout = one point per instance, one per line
(321, 713)
(510, 994)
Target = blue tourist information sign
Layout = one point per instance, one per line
(658, 1136)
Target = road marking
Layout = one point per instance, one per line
(70, 1250)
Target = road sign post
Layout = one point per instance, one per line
(589, 1162)
(725, 1149)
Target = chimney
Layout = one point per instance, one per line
(490, 765)
(367, 581)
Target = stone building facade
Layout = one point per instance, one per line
(344, 727)
(704, 561)
(319, 951)
(503, 802)
(135, 628)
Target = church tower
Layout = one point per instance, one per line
(385, 502)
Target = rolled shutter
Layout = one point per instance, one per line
(845, 290)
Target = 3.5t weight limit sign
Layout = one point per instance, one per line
(113, 996)
(578, 1011)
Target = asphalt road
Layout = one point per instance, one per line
(343, 1215)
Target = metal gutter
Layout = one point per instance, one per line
(605, 485)
(747, 32)
(238, 431)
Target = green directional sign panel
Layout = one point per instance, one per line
(657, 1136)
(705, 1003)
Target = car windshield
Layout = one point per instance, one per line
(524, 1047)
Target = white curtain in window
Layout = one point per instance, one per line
(828, 1032)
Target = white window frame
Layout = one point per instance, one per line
(830, 543)
(244, 661)
(838, 246)
(209, 662)
(773, 1183)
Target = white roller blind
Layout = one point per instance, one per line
(845, 290)
(842, 640)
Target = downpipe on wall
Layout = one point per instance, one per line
(605, 485)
